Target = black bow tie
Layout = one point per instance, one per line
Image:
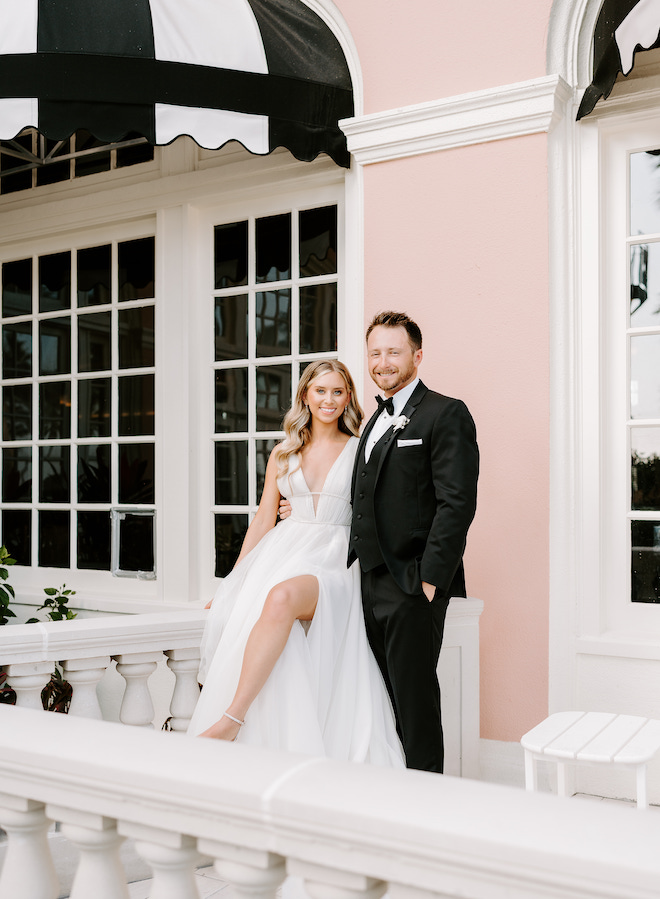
(385, 404)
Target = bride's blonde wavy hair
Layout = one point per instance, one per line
(296, 424)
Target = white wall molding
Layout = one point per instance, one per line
(529, 107)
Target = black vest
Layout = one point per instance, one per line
(364, 539)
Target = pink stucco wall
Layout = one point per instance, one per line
(458, 239)
(412, 52)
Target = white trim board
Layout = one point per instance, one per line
(514, 110)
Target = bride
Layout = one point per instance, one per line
(285, 658)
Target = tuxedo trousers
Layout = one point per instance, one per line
(405, 633)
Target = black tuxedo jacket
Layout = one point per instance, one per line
(425, 492)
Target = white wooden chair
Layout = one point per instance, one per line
(594, 738)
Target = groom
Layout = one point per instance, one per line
(414, 497)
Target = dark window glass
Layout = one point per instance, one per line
(17, 475)
(231, 328)
(136, 405)
(136, 337)
(55, 282)
(55, 410)
(94, 276)
(54, 539)
(136, 473)
(94, 408)
(137, 268)
(17, 534)
(231, 254)
(273, 323)
(229, 533)
(18, 180)
(136, 543)
(17, 412)
(17, 287)
(143, 152)
(231, 477)
(645, 468)
(318, 241)
(53, 172)
(55, 346)
(94, 341)
(231, 400)
(94, 540)
(645, 561)
(94, 162)
(17, 350)
(264, 449)
(273, 248)
(94, 474)
(318, 318)
(273, 396)
(54, 474)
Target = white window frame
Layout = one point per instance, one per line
(292, 200)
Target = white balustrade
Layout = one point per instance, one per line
(184, 663)
(253, 874)
(350, 831)
(100, 873)
(84, 676)
(85, 648)
(137, 708)
(28, 679)
(28, 871)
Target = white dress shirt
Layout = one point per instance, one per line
(385, 421)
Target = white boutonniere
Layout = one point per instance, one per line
(400, 423)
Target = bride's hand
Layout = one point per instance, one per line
(285, 509)
(209, 604)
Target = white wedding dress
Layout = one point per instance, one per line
(326, 695)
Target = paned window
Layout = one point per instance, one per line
(643, 336)
(78, 410)
(31, 160)
(275, 310)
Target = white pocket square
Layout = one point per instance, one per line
(401, 442)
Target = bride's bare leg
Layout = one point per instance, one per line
(286, 602)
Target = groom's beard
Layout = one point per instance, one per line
(396, 380)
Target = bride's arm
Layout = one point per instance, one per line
(266, 515)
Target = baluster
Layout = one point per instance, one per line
(28, 680)
(185, 665)
(137, 709)
(172, 857)
(100, 872)
(331, 883)
(84, 676)
(28, 871)
(251, 873)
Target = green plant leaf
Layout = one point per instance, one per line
(50, 591)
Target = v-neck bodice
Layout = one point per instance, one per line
(334, 499)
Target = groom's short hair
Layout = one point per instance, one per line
(398, 320)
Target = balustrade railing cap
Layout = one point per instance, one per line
(83, 637)
(401, 826)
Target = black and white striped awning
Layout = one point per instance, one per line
(267, 73)
(622, 29)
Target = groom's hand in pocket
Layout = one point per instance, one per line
(429, 591)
